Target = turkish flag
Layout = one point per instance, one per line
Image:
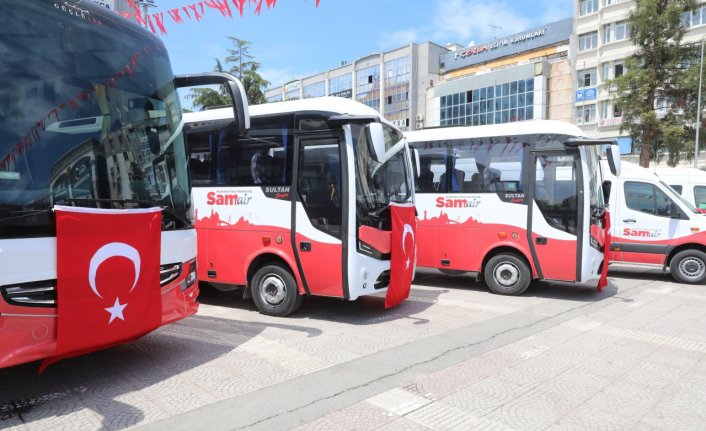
(108, 287)
(404, 253)
(603, 281)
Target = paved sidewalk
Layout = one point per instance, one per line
(638, 363)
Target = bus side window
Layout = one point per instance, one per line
(678, 188)
(433, 168)
(200, 157)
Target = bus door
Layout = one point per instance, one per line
(555, 214)
(319, 213)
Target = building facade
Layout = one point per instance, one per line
(524, 76)
(602, 37)
(393, 82)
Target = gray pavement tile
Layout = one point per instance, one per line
(362, 417)
(321, 424)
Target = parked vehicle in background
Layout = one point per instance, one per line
(301, 203)
(655, 225)
(511, 203)
(90, 119)
(688, 182)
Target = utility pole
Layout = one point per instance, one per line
(494, 27)
(698, 108)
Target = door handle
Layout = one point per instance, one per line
(541, 240)
(305, 246)
(629, 220)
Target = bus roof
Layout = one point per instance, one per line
(508, 129)
(336, 105)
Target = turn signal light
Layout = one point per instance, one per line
(266, 240)
(502, 235)
(695, 229)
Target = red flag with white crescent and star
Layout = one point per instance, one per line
(403, 252)
(108, 288)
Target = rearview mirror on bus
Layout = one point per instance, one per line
(613, 156)
(235, 89)
(417, 162)
(606, 190)
(377, 142)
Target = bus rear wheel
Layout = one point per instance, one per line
(274, 291)
(689, 267)
(507, 274)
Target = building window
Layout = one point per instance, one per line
(397, 85)
(315, 90)
(502, 103)
(586, 114)
(587, 77)
(607, 33)
(587, 6)
(341, 86)
(368, 86)
(588, 41)
(292, 95)
(622, 30)
(618, 70)
(275, 98)
(694, 18)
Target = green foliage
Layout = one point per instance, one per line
(657, 94)
(243, 67)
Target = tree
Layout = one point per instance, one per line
(655, 93)
(244, 68)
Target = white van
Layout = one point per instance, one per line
(688, 182)
(653, 225)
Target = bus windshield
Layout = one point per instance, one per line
(380, 184)
(89, 116)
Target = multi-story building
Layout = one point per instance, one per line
(528, 75)
(602, 37)
(525, 76)
(393, 82)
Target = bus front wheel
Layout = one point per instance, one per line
(274, 291)
(689, 266)
(507, 274)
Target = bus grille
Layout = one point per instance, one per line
(34, 294)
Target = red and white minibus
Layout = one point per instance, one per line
(653, 225)
(90, 127)
(511, 202)
(301, 204)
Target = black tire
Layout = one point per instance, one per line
(507, 274)
(274, 291)
(689, 266)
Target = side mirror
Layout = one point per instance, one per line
(613, 156)
(417, 162)
(606, 186)
(241, 113)
(376, 141)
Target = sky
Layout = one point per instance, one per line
(296, 39)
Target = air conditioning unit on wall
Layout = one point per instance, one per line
(420, 125)
(420, 117)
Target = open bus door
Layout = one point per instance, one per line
(319, 213)
(555, 214)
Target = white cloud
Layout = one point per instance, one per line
(461, 21)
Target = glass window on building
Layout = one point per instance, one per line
(397, 84)
(317, 89)
(368, 86)
(587, 77)
(586, 114)
(588, 41)
(607, 32)
(292, 95)
(275, 98)
(341, 86)
(587, 6)
(496, 104)
(696, 17)
(622, 30)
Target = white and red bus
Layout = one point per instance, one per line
(90, 120)
(301, 204)
(511, 203)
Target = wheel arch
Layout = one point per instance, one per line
(677, 249)
(507, 249)
(266, 258)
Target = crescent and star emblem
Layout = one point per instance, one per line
(114, 249)
(407, 230)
